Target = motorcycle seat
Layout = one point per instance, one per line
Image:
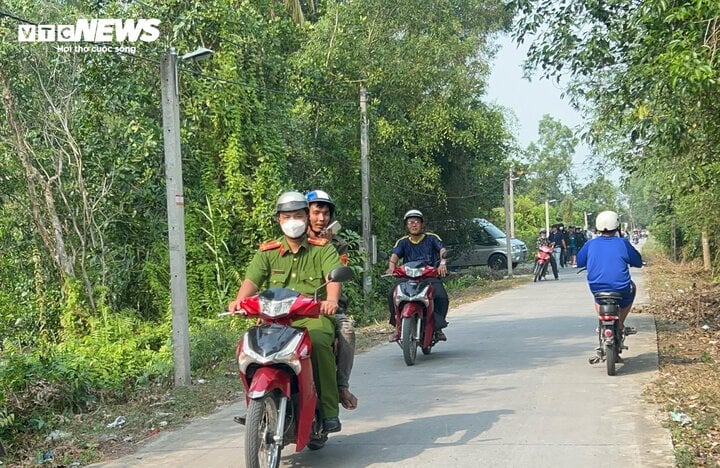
(608, 296)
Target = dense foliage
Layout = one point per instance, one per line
(84, 303)
(647, 74)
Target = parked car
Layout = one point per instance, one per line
(487, 246)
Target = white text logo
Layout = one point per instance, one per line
(94, 30)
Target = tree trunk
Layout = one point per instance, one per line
(706, 250)
(40, 194)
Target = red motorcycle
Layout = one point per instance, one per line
(413, 300)
(275, 367)
(542, 260)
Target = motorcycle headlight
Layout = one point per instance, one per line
(286, 355)
(414, 272)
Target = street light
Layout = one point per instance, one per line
(175, 209)
(547, 215)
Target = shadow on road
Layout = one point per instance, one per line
(399, 442)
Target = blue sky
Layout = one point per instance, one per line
(530, 100)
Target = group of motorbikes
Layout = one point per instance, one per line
(274, 357)
(275, 367)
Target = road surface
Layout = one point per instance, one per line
(511, 388)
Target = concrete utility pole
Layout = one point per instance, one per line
(365, 186)
(176, 217)
(547, 217)
(512, 204)
(507, 190)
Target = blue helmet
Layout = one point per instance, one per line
(321, 196)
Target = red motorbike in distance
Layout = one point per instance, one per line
(276, 371)
(542, 260)
(413, 301)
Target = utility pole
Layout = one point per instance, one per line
(508, 239)
(365, 187)
(547, 217)
(176, 217)
(512, 204)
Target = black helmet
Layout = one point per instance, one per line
(291, 201)
(320, 196)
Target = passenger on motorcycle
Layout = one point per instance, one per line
(427, 247)
(322, 212)
(300, 263)
(607, 259)
(543, 240)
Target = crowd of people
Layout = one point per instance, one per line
(566, 244)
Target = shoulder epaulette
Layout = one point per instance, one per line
(270, 245)
(317, 241)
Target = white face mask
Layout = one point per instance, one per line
(294, 228)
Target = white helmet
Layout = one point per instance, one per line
(291, 201)
(413, 214)
(607, 221)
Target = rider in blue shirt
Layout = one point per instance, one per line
(421, 246)
(607, 258)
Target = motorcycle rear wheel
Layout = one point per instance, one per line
(261, 450)
(409, 339)
(610, 359)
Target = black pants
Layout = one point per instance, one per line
(554, 266)
(441, 303)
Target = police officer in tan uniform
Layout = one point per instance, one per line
(302, 264)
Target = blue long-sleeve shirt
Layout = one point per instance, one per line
(608, 260)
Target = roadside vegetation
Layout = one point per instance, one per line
(686, 304)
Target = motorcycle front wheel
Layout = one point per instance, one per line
(261, 449)
(537, 272)
(409, 339)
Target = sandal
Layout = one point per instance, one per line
(347, 399)
(629, 331)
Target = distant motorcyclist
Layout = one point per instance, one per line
(322, 212)
(543, 240)
(421, 246)
(607, 259)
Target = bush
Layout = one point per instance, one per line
(214, 340)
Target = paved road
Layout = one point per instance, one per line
(511, 388)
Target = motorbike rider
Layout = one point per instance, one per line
(322, 212)
(543, 240)
(427, 247)
(607, 259)
(558, 240)
(302, 264)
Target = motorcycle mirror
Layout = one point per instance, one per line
(383, 255)
(337, 275)
(340, 274)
